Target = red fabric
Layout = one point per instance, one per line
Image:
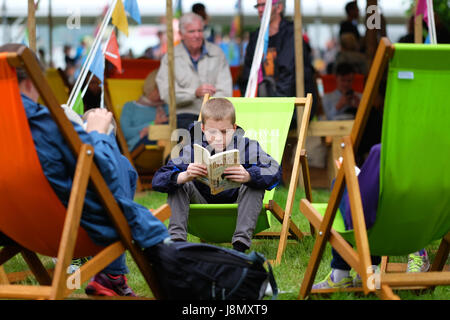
(112, 53)
(135, 69)
(31, 213)
(329, 83)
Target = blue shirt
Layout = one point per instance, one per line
(58, 164)
(202, 54)
(134, 118)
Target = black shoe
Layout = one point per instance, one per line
(239, 246)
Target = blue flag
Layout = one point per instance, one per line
(132, 8)
(98, 65)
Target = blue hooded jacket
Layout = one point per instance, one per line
(264, 171)
(58, 164)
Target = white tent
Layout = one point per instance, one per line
(392, 9)
(320, 18)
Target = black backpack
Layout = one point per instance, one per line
(197, 271)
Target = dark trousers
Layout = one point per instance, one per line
(339, 263)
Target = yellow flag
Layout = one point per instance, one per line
(119, 18)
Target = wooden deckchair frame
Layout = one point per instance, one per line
(359, 259)
(284, 216)
(142, 182)
(86, 171)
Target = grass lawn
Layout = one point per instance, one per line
(289, 273)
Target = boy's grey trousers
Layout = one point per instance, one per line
(249, 206)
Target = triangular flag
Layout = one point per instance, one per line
(132, 8)
(112, 52)
(98, 65)
(422, 8)
(78, 106)
(119, 18)
(178, 10)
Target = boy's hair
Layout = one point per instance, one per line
(21, 73)
(344, 68)
(218, 109)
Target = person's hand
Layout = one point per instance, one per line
(237, 174)
(354, 102)
(143, 132)
(204, 89)
(193, 171)
(343, 101)
(161, 116)
(99, 120)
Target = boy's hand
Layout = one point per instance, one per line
(193, 170)
(99, 120)
(237, 174)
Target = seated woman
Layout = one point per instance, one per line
(138, 115)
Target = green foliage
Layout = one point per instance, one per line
(442, 8)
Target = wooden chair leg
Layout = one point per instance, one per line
(386, 293)
(442, 254)
(3, 276)
(8, 252)
(36, 267)
(307, 182)
(322, 236)
(72, 221)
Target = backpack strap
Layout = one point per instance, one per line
(256, 257)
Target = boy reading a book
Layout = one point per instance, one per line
(256, 173)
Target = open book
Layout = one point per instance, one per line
(216, 164)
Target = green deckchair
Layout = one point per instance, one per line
(414, 202)
(266, 120)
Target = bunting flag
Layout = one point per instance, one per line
(178, 10)
(236, 23)
(112, 52)
(119, 18)
(425, 7)
(98, 65)
(422, 8)
(132, 8)
(78, 107)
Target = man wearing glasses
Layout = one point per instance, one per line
(279, 65)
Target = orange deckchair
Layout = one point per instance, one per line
(32, 215)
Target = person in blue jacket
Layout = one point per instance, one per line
(258, 172)
(58, 164)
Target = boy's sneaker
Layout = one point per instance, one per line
(104, 284)
(418, 262)
(75, 264)
(329, 283)
(357, 281)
